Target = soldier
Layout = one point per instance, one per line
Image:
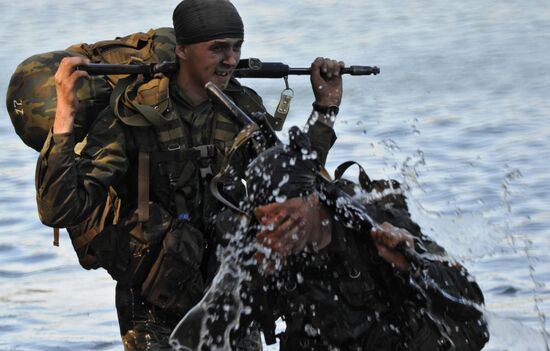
(342, 283)
(151, 154)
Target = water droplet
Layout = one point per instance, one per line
(281, 198)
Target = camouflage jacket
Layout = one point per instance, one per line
(71, 186)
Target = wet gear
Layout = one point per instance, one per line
(161, 263)
(282, 172)
(345, 296)
(197, 21)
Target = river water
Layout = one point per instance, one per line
(459, 114)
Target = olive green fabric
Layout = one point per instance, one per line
(71, 189)
(31, 98)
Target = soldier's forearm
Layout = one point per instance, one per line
(64, 119)
(58, 200)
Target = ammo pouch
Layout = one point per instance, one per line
(127, 250)
(175, 281)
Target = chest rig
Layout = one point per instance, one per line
(179, 148)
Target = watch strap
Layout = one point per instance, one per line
(326, 110)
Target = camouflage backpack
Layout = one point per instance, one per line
(31, 98)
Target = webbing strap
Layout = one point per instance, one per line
(364, 179)
(215, 190)
(152, 114)
(143, 186)
(135, 120)
(244, 135)
(146, 116)
(194, 153)
(55, 236)
(85, 238)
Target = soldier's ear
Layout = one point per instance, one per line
(181, 52)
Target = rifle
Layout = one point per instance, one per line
(246, 68)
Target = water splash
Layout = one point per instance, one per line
(537, 299)
(488, 228)
(209, 324)
(455, 230)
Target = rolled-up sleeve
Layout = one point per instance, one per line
(70, 186)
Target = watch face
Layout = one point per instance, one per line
(332, 110)
(326, 110)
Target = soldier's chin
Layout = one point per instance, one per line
(221, 82)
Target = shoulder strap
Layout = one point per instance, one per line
(244, 135)
(135, 113)
(145, 147)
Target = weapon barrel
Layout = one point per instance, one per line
(280, 70)
(96, 69)
(218, 96)
(259, 119)
(247, 68)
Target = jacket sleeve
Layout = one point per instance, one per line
(70, 186)
(322, 137)
(453, 295)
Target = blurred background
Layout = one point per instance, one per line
(459, 115)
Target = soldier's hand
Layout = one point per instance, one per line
(386, 237)
(66, 78)
(326, 81)
(290, 227)
(282, 226)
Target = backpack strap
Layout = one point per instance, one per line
(56, 237)
(134, 113)
(364, 180)
(145, 147)
(143, 186)
(381, 191)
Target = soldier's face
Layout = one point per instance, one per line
(212, 61)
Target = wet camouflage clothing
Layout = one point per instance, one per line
(346, 297)
(175, 250)
(31, 97)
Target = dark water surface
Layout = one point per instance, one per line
(459, 114)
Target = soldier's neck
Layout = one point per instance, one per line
(196, 94)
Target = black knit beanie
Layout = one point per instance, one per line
(197, 21)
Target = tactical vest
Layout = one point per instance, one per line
(173, 166)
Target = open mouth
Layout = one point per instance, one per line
(221, 73)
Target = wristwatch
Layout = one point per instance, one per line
(331, 110)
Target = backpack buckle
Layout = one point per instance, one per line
(205, 151)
